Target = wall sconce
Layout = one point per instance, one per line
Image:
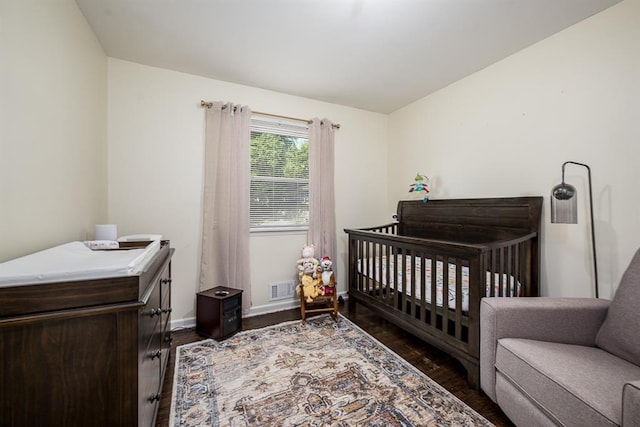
(564, 210)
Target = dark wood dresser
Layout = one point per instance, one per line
(88, 352)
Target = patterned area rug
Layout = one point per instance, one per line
(314, 373)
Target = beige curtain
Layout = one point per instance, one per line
(225, 234)
(322, 212)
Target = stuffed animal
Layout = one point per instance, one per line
(309, 287)
(328, 278)
(308, 268)
(308, 251)
(308, 256)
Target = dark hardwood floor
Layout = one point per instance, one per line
(437, 365)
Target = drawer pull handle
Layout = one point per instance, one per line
(165, 281)
(167, 310)
(155, 398)
(155, 312)
(155, 354)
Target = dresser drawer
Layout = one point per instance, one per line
(149, 379)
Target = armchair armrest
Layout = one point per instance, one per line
(631, 404)
(566, 320)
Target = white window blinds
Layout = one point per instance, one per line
(279, 175)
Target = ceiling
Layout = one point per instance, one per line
(377, 55)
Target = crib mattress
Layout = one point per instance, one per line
(75, 261)
(376, 269)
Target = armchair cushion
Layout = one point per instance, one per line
(574, 384)
(565, 320)
(618, 334)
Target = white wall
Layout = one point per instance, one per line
(502, 131)
(155, 138)
(53, 75)
(506, 130)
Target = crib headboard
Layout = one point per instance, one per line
(470, 220)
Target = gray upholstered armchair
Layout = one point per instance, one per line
(564, 361)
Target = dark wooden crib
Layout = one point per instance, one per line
(473, 247)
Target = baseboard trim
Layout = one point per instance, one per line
(187, 323)
(190, 322)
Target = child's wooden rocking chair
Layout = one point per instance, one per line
(321, 304)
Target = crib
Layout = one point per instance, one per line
(427, 271)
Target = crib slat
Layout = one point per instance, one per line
(519, 275)
(377, 273)
(395, 278)
(502, 277)
(498, 275)
(423, 280)
(366, 268)
(434, 283)
(484, 262)
(385, 274)
(373, 253)
(445, 293)
(387, 286)
(412, 299)
(362, 260)
(402, 286)
(533, 286)
(458, 301)
(492, 271)
(508, 272)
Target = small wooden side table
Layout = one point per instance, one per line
(219, 312)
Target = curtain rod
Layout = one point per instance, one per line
(307, 121)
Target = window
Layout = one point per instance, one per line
(279, 175)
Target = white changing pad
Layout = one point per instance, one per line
(74, 261)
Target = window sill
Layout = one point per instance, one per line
(279, 230)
